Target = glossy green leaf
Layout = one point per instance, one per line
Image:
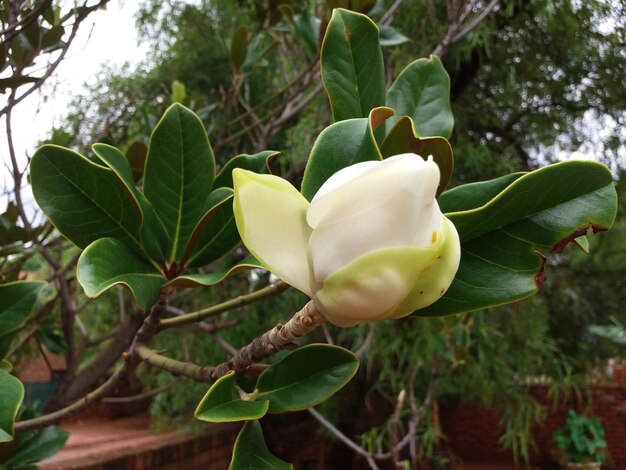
(17, 300)
(402, 139)
(108, 262)
(179, 174)
(390, 36)
(352, 65)
(306, 377)
(251, 452)
(506, 240)
(340, 145)
(258, 163)
(37, 445)
(85, 201)
(11, 396)
(153, 236)
(222, 403)
(422, 92)
(215, 277)
(239, 47)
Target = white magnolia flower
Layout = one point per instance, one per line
(371, 245)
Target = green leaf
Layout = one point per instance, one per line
(16, 81)
(179, 174)
(505, 241)
(422, 92)
(251, 453)
(402, 139)
(258, 162)
(390, 36)
(215, 277)
(17, 300)
(222, 403)
(307, 28)
(179, 92)
(340, 145)
(37, 445)
(85, 201)
(239, 47)
(153, 236)
(306, 377)
(352, 65)
(108, 262)
(52, 37)
(11, 396)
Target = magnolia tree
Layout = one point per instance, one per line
(371, 235)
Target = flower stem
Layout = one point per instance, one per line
(277, 339)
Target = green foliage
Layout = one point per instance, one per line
(222, 403)
(34, 446)
(306, 377)
(251, 452)
(581, 439)
(11, 396)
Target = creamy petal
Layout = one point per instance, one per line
(390, 204)
(271, 219)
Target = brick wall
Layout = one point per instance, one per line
(473, 430)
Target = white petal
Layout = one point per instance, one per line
(271, 219)
(390, 204)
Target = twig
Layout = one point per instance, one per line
(343, 438)
(139, 396)
(269, 291)
(175, 367)
(367, 342)
(390, 13)
(277, 339)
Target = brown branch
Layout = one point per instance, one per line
(278, 338)
(175, 367)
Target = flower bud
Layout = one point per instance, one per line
(371, 245)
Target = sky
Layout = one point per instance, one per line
(105, 37)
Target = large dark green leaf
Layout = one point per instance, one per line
(17, 299)
(179, 174)
(37, 445)
(473, 195)
(352, 65)
(11, 396)
(306, 377)
(108, 262)
(402, 139)
(505, 241)
(85, 201)
(222, 403)
(422, 92)
(251, 453)
(153, 235)
(340, 145)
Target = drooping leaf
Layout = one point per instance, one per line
(402, 139)
(307, 28)
(17, 300)
(251, 452)
(222, 403)
(85, 201)
(389, 36)
(306, 377)
(352, 65)
(179, 174)
(422, 92)
(506, 240)
(107, 262)
(37, 445)
(11, 396)
(153, 236)
(340, 145)
(199, 279)
(239, 47)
